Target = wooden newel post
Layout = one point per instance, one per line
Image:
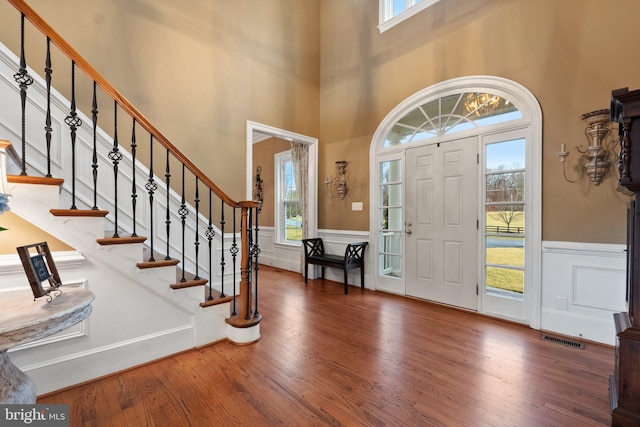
(245, 294)
(245, 317)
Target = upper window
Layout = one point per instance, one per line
(392, 12)
(450, 114)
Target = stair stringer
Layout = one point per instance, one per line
(136, 316)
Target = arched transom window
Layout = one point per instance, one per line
(450, 114)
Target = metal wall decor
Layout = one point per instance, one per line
(337, 185)
(257, 188)
(595, 159)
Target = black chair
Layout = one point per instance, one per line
(353, 258)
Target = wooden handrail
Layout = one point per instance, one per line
(127, 106)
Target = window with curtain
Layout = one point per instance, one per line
(288, 212)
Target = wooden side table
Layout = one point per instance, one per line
(23, 320)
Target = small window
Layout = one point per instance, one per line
(288, 217)
(392, 12)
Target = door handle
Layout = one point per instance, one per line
(408, 231)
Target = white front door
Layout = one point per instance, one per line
(441, 222)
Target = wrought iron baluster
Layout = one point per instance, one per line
(222, 262)
(256, 254)
(248, 309)
(134, 190)
(210, 234)
(74, 122)
(94, 157)
(234, 255)
(24, 80)
(167, 221)
(196, 243)
(115, 156)
(48, 70)
(151, 187)
(183, 212)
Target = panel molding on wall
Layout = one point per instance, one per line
(583, 285)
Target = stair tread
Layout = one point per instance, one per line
(121, 240)
(41, 180)
(215, 299)
(189, 283)
(79, 212)
(158, 263)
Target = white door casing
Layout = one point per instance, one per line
(530, 122)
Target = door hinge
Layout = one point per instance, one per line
(478, 158)
(477, 224)
(477, 289)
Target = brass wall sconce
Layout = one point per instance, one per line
(594, 160)
(337, 185)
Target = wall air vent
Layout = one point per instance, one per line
(563, 341)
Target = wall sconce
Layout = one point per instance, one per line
(257, 188)
(596, 155)
(338, 184)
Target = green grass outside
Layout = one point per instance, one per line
(505, 278)
(294, 233)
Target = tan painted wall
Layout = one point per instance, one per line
(20, 232)
(570, 54)
(263, 156)
(198, 70)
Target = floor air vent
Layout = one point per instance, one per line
(563, 341)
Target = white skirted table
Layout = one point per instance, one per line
(23, 320)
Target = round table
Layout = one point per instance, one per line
(24, 320)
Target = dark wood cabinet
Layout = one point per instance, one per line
(624, 384)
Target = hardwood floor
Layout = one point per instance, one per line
(362, 359)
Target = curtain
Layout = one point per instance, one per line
(300, 158)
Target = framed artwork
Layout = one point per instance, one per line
(39, 266)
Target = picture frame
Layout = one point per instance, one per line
(39, 266)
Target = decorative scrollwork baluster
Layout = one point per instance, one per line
(183, 212)
(151, 186)
(167, 220)
(115, 156)
(234, 256)
(48, 70)
(94, 156)
(210, 235)
(74, 122)
(24, 80)
(196, 243)
(222, 262)
(248, 307)
(256, 254)
(134, 190)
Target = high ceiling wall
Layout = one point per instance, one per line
(198, 70)
(570, 54)
(321, 68)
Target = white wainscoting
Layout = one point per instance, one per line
(583, 284)
(287, 257)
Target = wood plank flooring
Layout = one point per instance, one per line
(362, 359)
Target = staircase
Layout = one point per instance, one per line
(168, 275)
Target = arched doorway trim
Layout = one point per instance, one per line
(531, 119)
